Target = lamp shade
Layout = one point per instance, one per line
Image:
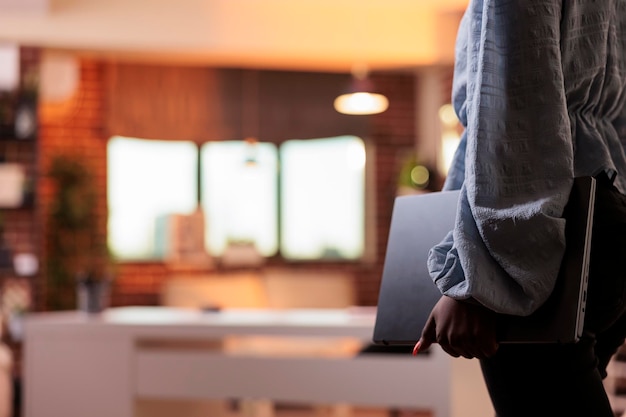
(360, 99)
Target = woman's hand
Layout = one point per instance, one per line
(461, 328)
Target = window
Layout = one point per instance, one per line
(323, 204)
(147, 181)
(240, 195)
(304, 200)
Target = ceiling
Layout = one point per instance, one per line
(319, 35)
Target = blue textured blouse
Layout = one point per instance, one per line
(540, 87)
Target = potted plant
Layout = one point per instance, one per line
(78, 260)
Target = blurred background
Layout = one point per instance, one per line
(218, 112)
(211, 153)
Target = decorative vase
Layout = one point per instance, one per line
(93, 294)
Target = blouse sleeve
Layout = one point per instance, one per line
(508, 241)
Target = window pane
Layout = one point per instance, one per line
(323, 206)
(239, 189)
(147, 181)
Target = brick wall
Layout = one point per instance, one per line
(72, 127)
(82, 124)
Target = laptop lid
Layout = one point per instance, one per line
(407, 293)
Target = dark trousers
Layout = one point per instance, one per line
(566, 379)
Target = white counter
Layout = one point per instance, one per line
(76, 365)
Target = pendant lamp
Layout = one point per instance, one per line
(360, 99)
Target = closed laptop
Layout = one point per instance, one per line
(407, 293)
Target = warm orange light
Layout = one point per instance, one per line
(361, 98)
(361, 103)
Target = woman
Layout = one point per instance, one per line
(540, 87)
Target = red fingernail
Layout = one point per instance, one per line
(416, 348)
